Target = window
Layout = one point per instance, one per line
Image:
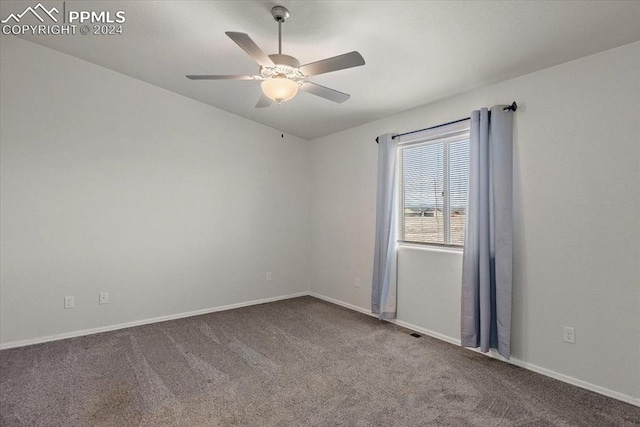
(433, 172)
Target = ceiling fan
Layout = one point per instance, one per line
(282, 75)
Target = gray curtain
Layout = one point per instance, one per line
(384, 286)
(487, 259)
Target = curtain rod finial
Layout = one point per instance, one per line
(512, 107)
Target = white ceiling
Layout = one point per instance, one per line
(415, 52)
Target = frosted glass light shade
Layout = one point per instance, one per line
(279, 89)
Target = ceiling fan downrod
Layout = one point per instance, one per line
(280, 14)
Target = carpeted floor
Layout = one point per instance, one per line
(298, 362)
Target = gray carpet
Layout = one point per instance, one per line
(299, 362)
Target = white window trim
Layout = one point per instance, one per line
(431, 247)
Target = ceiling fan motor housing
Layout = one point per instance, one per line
(286, 65)
(281, 59)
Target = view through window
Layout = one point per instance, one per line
(433, 182)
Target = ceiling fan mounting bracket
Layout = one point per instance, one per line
(280, 13)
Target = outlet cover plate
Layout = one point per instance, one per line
(104, 298)
(69, 302)
(569, 335)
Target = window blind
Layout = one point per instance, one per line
(433, 180)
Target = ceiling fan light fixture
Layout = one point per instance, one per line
(279, 88)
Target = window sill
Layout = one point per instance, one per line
(431, 248)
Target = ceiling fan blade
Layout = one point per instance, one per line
(264, 101)
(244, 41)
(325, 92)
(221, 77)
(340, 62)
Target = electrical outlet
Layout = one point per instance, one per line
(357, 282)
(104, 298)
(569, 335)
(269, 277)
(68, 302)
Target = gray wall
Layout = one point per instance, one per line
(577, 232)
(112, 184)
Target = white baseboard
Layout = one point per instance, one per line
(39, 340)
(343, 304)
(577, 382)
(402, 323)
(526, 365)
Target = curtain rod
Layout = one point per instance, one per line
(512, 107)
